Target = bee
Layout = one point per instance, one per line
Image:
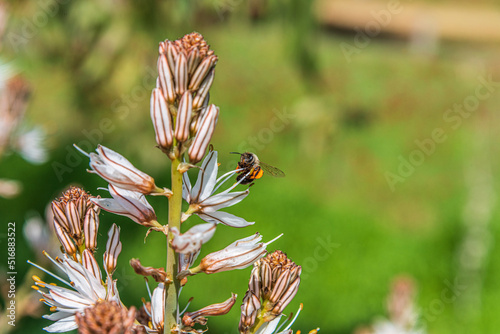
(252, 168)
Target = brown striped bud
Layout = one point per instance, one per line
(202, 94)
(184, 117)
(249, 310)
(162, 120)
(65, 240)
(193, 60)
(181, 74)
(90, 263)
(165, 79)
(201, 72)
(74, 219)
(204, 135)
(113, 249)
(90, 229)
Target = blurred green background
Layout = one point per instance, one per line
(358, 206)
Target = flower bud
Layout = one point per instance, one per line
(162, 122)
(65, 240)
(181, 74)
(90, 263)
(90, 229)
(190, 318)
(204, 134)
(184, 117)
(193, 60)
(60, 216)
(202, 93)
(113, 249)
(249, 310)
(74, 220)
(165, 79)
(201, 72)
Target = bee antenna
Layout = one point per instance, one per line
(234, 153)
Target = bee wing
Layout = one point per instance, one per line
(273, 171)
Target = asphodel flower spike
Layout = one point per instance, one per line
(179, 104)
(118, 171)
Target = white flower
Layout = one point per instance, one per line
(118, 171)
(85, 284)
(128, 203)
(191, 241)
(272, 327)
(202, 198)
(85, 291)
(238, 255)
(387, 327)
(30, 144)
(157, 310)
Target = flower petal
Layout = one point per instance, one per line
(206, 178)
(225, 218)
(223, 200)
(62, 326)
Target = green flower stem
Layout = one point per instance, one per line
(174, 220)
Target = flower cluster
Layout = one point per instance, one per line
(273, 283)
(184, 122)
(76, 221)
(182, 118)
(86, 286)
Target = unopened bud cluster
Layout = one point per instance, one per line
(182, 118)
(273, 283)
(76, 220)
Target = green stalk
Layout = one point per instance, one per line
(174, 220)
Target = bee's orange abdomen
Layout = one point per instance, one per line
(257, 173)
